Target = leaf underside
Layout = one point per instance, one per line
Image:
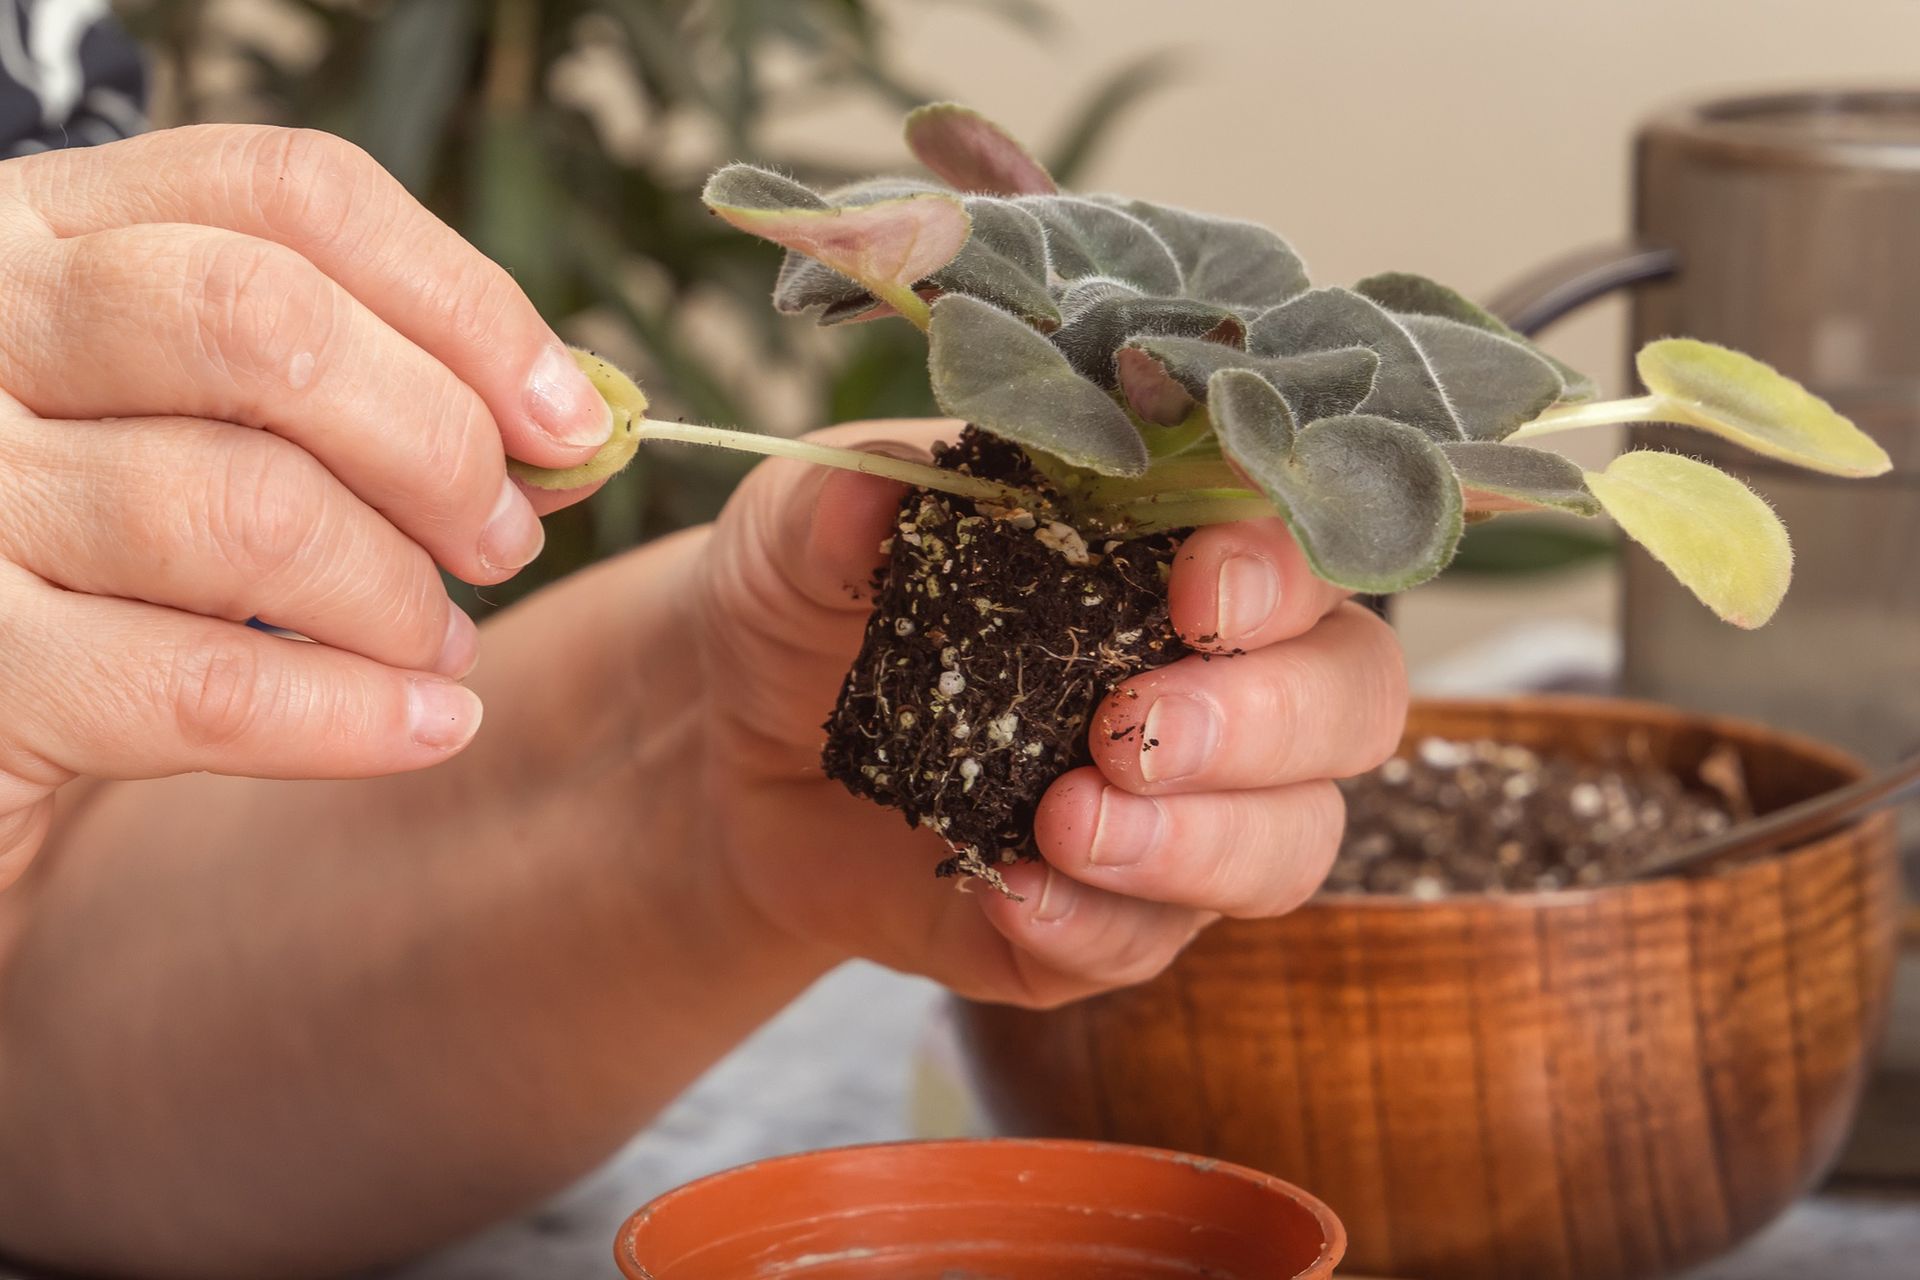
(1718, 537)
(629, 406)
(972, 153)
(885, 245)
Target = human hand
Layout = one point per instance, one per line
(1233, 813)
(243, 374)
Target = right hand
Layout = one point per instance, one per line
(243, 374)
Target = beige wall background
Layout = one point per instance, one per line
(1465, 139)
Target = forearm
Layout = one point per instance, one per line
(278, 1028)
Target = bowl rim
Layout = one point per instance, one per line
(1620, 711)
(1333, 1233)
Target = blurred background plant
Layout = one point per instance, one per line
(569, 139)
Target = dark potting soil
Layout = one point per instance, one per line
(995, 634)
(1465, 817)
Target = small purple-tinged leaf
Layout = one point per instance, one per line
(1151, 392)
(973, 153)
(887, 246)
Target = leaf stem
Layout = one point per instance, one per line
(1604, 413)
(920, 474)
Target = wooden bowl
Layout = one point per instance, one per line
(1009, 1210)
(1583, 1085)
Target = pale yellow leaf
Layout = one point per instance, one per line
(1754, 405)
(1713, 533)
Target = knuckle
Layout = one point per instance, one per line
(306, 185)
(481, 304)
(1144, 959)
(261, 510)
(256, 308)
(1304, 854)
(215, 693)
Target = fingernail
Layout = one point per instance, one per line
(1178, 738)
(1126, 829)
(1056, 898)
(1244, 596)
(460, 649)
(442, 715)
(513, 536)
(564, 404)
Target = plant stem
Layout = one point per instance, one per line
(1164, 477)
(920, 474)
(1189, 508)
(1606, 413)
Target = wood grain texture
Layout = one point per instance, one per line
(1587, 1085)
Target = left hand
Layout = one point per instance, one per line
(1233, 814)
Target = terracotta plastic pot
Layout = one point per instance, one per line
(1605, 1084)
(1004, 1209)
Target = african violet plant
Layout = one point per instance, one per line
(1130, 370)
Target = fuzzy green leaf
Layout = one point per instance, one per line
(1003, 262)
(1086, 238)
(1713, 533)
(1224, 260)
(1512, 477)
(1407, 294)
(887, 246)
(994, 371)
(1098, 330)
(1754, 405)
(1321, 384)
(1404, 389)
(804, 285)
(1372, 502)
(974, 154)
(1493, 384)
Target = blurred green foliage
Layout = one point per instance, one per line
(568, 139)
(1523, 545)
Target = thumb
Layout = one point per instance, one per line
(788, 590)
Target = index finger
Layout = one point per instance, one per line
(1245, 585)
(329, 201)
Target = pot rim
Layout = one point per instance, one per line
(1625, 711)
(1744, 130)
(1333, 1234)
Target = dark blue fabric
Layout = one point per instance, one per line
(69, 76)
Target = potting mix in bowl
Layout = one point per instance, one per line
(1128, 371)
